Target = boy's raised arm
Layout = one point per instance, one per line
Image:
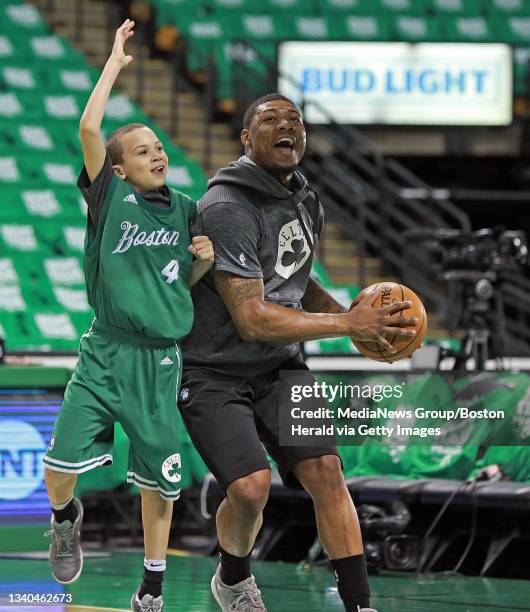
(90, 123)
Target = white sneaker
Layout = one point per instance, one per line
(241, 597)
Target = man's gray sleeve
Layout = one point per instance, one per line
(236, 236)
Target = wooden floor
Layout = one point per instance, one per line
(109, 579)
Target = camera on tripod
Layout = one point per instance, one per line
(471, 263)
(459, 255)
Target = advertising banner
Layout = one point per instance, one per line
(400, 83)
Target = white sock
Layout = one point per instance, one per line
(155, 565)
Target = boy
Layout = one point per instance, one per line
(138, 268)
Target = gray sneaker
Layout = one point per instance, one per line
(148, 603)
(66, 556)
(241, 597)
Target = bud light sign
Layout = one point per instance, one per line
(400, 83)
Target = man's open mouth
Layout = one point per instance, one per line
(287, 142)
(158, 169)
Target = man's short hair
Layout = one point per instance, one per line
(253, 108)
(114, 147)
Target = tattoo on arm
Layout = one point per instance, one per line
(244, 289)
(237, 290)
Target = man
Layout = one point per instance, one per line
(250, 316)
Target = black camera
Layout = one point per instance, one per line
(386, 546)
(484, 250)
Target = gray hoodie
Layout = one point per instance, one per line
(252, 221)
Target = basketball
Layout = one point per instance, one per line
(387, 294)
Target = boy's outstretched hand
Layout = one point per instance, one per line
(123, 33)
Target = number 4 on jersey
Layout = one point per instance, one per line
(171, 271)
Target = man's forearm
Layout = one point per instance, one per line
(259, 319)
(280, 324)
(317, 299)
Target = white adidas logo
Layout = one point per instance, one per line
(130, 198)
(166, 361)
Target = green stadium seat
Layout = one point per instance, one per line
(457, 7)
(168, 11)
(244, 67)
(12, 299)
(60, 107)
(24, 17)
(13, 105)
(317, 28)
(188, 177)
(56, 327)
(263, 27)
(202, 34)
(300, 7)
(72, 79)
(468, 29)
(58, 172)
(21, 205)
(13, 329)
(367, 27)
(411, 7)
(212, 29)
(13, 47)
(514, 30)
(508, 7)
(54, 49)
(345, 6)
(18, 238)
(225, 7)
(17, 75)
(409, 28)
(8, 272)
(10, 172)
(121, 108)
(72, 299)
(64, 270)
(26, 136)
(62, 240)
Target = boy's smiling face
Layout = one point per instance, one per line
(144, 161)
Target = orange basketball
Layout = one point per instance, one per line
(387, 294)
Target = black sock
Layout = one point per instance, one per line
(151, 584)
(234, 569)
(68, 513)
(352, 582)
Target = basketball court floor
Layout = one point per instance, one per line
(109, 578)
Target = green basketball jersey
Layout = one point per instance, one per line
(137, 266)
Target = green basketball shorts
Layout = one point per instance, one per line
(130, 379)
